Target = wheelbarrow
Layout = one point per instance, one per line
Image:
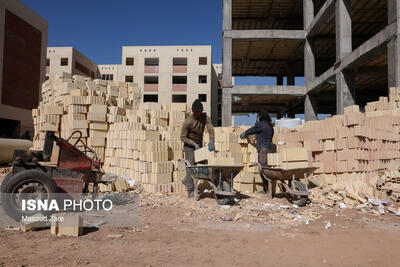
(290, 180)
(219, 177)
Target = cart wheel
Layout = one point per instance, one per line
(223, 200)
(28, 184)
(299, 200)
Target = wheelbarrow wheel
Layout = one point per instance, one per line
(223, 200)
(299, 200)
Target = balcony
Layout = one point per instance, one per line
(150, 69)
(150, 87)
(179, 87)
(179, 69)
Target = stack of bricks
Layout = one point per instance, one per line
(231, 150)
(148, 149)
(71, 103)
(351, 149)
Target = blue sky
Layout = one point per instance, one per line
(100, 28)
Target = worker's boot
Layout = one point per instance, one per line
(190, 194)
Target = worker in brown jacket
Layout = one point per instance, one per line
(192, 137)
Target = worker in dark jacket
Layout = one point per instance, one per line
(192, 137)
(264, 131)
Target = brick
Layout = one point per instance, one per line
(98, 109)
(293, 154)
(354, 118)
(292, 137)
(83, 124)
(67, 225)
(91, 141)
(247, 178)
(351, 109)
(294, 164)
(203, 154)
(98, 126)
(161, 178)
(221, 161)
(308, 136)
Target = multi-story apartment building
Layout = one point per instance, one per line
(172, 74)
(166, 74)
(70, 60)
(111, 72)
(23, 42)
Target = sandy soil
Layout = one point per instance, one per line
(176, 231)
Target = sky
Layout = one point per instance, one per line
(99, 28)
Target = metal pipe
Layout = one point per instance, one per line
(8, 145)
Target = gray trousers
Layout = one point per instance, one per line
(189, 155)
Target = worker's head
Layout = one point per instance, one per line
(264, 116)
(197, 109)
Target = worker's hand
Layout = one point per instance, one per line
(211, 146)
(242, 135)
(196, 146)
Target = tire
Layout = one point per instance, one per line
(5, 180)
(223, 200)
(28, 181)
(299, 200)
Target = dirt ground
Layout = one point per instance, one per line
(256, 231)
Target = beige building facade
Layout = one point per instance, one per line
(70, 60)
(172, 74)
(165, 74)
(23, 42)
(111, 72)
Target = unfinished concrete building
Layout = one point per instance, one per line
(347, 51)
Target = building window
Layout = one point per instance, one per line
(179, 61)
(203, 97)
(150, 98)
(151, 61)
(47, 62)
(219, 107)
(202, 78)
(107, 77)
(202, 60)
(129, 61)
(150, 79)
(64, 61)
(179, 79)
(129, 79)
(178, 98)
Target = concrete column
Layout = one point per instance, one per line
(310, 107)
(279, 80)
(345, 87)
(226, 64)
(394, 46)
(345, 91)
(227, 44)
(226, 107)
